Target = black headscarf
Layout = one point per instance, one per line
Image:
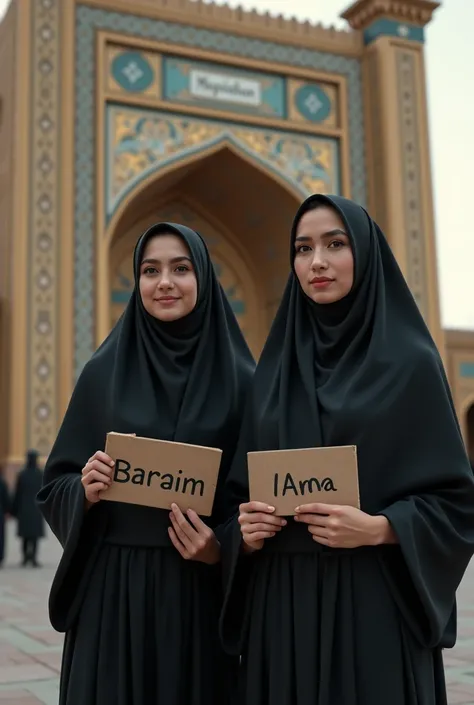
(31, 460)
(181, 380)
(365, 371)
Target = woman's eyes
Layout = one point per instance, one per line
(333, 245)
(181, 269)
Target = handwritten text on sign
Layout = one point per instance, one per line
(157, 473)
(285, 479)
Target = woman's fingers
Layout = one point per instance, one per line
(198, 524)
(258, 536)
(182, 522)
(177, 544)
(102, 457)
(320, 531)
(259, 518)
(180, 533)
(313, 519)
(256, 528)
(96, 476)
(97, 465)
(256, 507)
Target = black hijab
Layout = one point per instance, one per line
(365, 371)
(31, 460)
(183, 380)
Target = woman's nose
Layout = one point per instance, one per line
(319, 261)
(165, 282)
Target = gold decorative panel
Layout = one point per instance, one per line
(44, 245)
(141, 141)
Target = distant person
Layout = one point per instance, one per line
(25, 509)
(4, 510)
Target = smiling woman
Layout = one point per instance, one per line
(138, 589)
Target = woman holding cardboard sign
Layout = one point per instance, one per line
(339, 604)
(138, 588)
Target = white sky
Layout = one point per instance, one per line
(450, 62)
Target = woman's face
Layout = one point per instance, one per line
(168, 284)
(323, 262)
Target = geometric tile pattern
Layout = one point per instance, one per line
(88, 21)
(30, 650)
(43, 231)
(412, 170)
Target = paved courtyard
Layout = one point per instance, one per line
(30, 651)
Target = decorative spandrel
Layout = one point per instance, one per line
(142, 141)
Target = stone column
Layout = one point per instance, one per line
(398, 157)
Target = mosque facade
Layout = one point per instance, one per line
(114, 115)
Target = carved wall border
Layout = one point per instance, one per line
(43, 250)
(411, 175)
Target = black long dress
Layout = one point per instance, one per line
(140, 621)
(322, 626)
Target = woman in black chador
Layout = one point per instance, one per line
(25, 509)
(138, 590)
(341, 606)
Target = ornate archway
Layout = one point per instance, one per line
(233, 204)
(141, 142)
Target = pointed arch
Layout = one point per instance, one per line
(253, 241)
(188, 158)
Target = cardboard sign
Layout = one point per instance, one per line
(156, 473)
(285, 479)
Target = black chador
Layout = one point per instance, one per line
(140, 621)
(318, 625)
(25, 509)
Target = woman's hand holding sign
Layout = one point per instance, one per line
(258, 523)
(96, 476)
(344, 527)
(194, 541)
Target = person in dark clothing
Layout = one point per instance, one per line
(25, 509)
(5, 509)
(138, 589)
(340, 605)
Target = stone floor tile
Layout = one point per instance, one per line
(24, 673)
(30, 650)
